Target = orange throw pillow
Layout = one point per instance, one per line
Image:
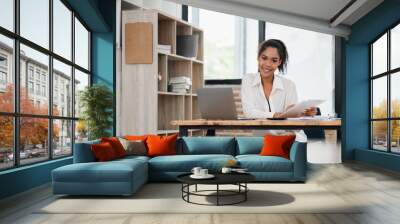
(161, 146)
(136, 137)
(116, 145)
(103, 152)
(277, 145)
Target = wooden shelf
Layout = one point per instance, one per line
(166, 132)
(148, 83)
(174, 94)
(176, 57)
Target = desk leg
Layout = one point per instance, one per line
(183, 131)
(210, 132)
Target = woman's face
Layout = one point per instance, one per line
(268, 62)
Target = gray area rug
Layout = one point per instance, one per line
(166, 198)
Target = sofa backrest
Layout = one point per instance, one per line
(83, 152)
(206, 145)
(249, 145)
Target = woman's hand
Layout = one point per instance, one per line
(312, 111)
(279, 115)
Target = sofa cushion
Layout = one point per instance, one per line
(277, 145)
(249, 145)
(134, 147)
(116, 145)
(185, 163)
(207, 145)
(112, 171)
(257, 163)
(161, 145)
(103, 152)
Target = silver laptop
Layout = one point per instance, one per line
(217, 103)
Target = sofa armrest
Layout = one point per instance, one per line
(83, 152)
(298, 155)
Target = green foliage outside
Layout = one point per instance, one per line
(219, 60)
(96, 102)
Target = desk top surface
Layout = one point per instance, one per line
(259, 122)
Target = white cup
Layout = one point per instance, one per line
(226, 170)
(203, 172)
(196, 171)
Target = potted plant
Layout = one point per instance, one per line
(96, 102)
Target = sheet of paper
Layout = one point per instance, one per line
(301, 106)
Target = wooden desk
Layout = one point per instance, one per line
(185, 125)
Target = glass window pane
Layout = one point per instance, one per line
(219, 47)
(379, 55)
(395, 94)
(7, 14)
(62, 89)
(35, 21)
(81, 81)
(81, 131)
(6, 74)
(395, 136)
(81, 45)
(6, 142)
(304, 68)
(251, 46)
(34, 97)
(33, 139)
(379, 135)
(379, 98)
(62, 29)
(395, 47)
(62, 138)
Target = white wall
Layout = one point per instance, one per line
(162, 5)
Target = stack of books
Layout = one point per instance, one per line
(166, 49)
(180, 84)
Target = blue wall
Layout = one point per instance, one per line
(356, 115)
(103, 52)
(99, 15)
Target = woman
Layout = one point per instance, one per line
(265, 94)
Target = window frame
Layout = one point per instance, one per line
(16, 115)
(388, 74)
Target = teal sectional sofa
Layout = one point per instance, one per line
(125, 176)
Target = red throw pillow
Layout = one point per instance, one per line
(116, 145)
(161, 146)
(103, 151)
(277, 145)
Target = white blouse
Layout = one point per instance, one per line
(256, 105)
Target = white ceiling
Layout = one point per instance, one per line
(316, 15)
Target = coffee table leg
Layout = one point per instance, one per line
(245, 191)
(217, 194)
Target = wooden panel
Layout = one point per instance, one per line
(188, 108)
(179, 68)
(170, 107)
(139, 43)
(197, 77)
(137, 85)
(162, 73)
(183, 29)
(167, 33)
(200, 52)
(259, 122)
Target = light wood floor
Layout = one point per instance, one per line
(378, 188)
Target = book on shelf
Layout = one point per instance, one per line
(180, 86)
(166, 49)
(180, 79)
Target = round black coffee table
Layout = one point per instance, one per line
(238, 179)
